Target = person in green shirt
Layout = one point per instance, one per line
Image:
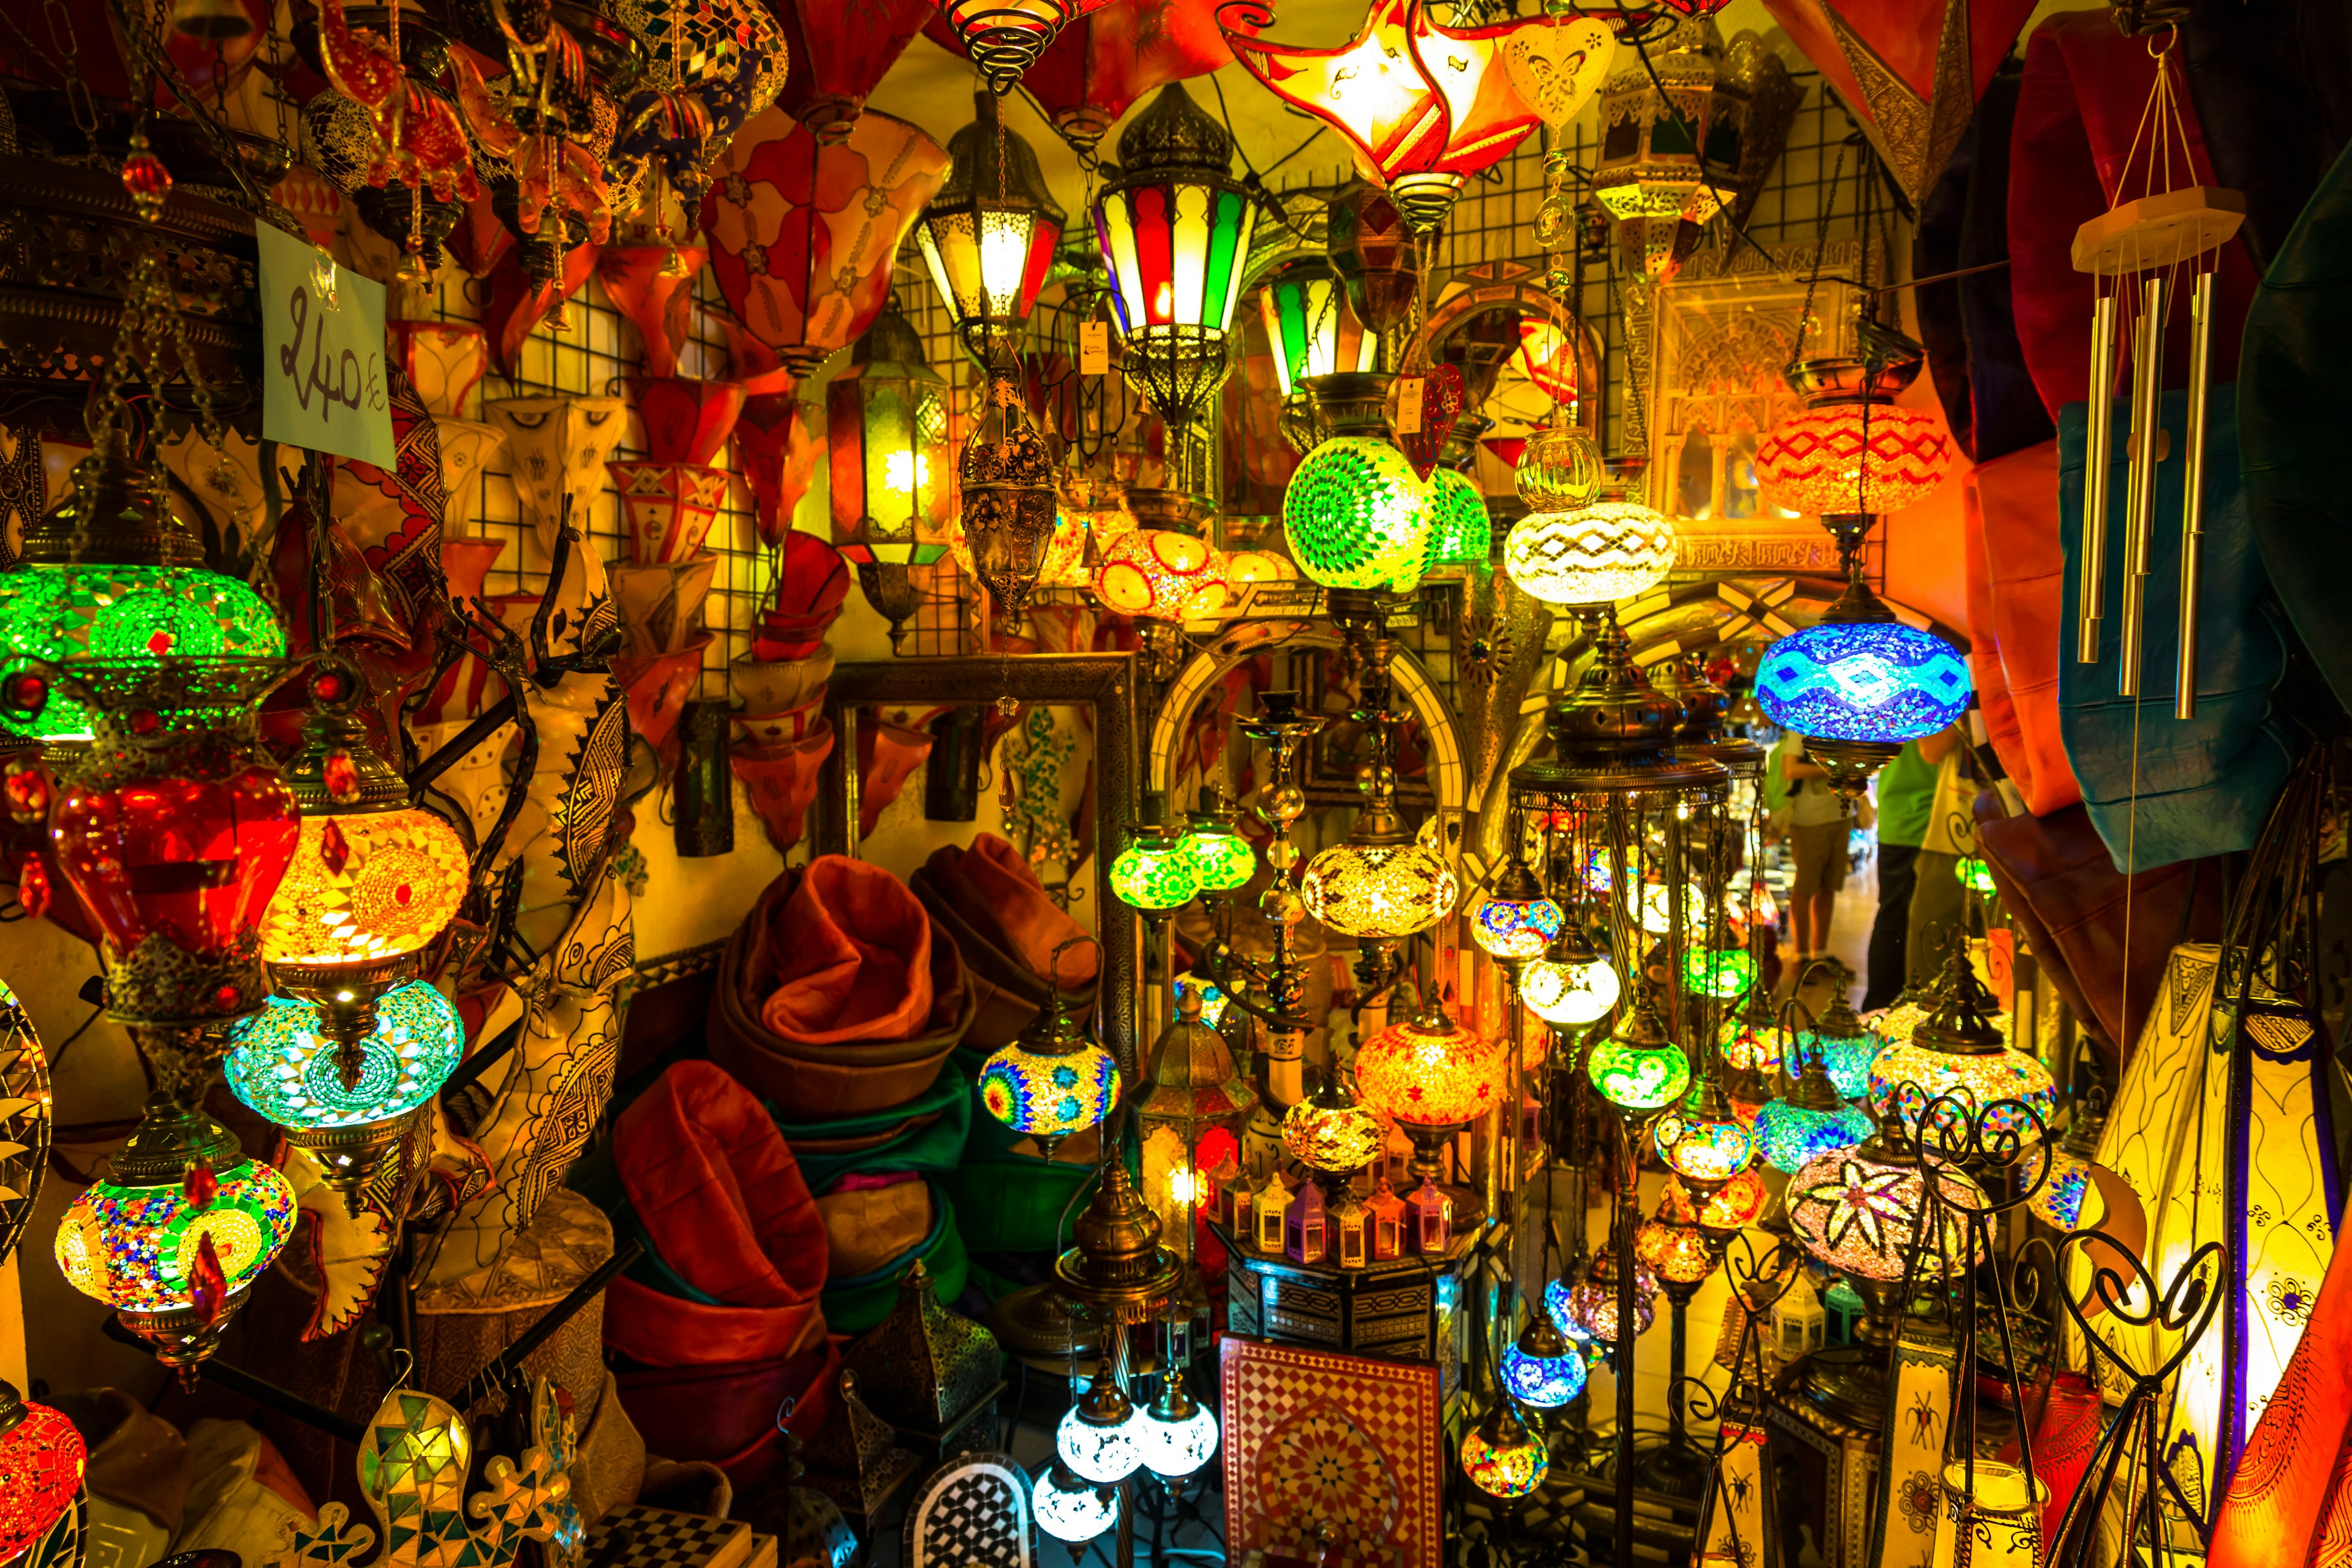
(1906, 791)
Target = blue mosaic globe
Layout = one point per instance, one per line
(1863, 680)
(1545, 1382)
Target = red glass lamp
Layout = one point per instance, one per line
(988, 236)
(1432, 1076)
(41, 1462)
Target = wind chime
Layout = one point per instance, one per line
(2134, 253)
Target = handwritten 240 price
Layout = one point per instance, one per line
(357, 383)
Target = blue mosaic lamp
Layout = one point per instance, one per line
(1811, 1121)
(1052, 1081)
(1543, 1370)
(1858, 684)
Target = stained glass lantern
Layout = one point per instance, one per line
(1460, 530)
(284, 1064)
(1703, 1140)
(373, 878)
(1852, 454)
(1222, 860)
(1719, 973)
(1313, 332)
(1351, 1231)
(1570, 984)
(1542, 1369)
(1957, 1051)
(1857, 684)
(1677, 1252)
(1976, 876)
(1175, 228)
(1596, 555)
(1811, 1122)
(1751, 1046)
(1100, 1438)
(1052, 1081)
(1639, 1069)
(1305, 1225)
(1332, 1129)
(1156, 871)
(1192, 1112)
(175, 1235)
(1353, 515)
(105, 577)
(1071, 1509)
(1860, 1211)
(42, 1459)
(1502, 1457)
(887, 439)
(1161, 575)
(1431, 1073)
(1178, 1433)
(1007, 470)
(1517, 922)
(988, 236)
(1268, 1209)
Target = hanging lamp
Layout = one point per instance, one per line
(987, 238)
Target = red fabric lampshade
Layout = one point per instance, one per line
(840, 53)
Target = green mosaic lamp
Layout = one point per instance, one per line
(1639, 1069)
(1222, 860)
(1461, 534)
(112, 576)
(1156, 872)
(1354, 516)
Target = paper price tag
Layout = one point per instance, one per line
(322, 371)
(1409, 396)
(1093, 348)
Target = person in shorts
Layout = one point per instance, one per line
(1818, 833)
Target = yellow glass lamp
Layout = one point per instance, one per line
(1332, 1131)
(1595, 555)
(1956, 1056)
(987, 236)
(1572, 983)
(1052, 1081)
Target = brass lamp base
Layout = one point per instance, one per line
(1851, 763)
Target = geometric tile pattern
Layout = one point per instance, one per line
(976, 1510)
(413, 1463)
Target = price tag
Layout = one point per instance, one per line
(2000, 964)
(1409, 394)
(322, 371)
(1093, 348)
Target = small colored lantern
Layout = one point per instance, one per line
(1560, 470)
(1676, 1251)
(1353, 515)
(1429, 1210)
(1352, 1226)
(1844, 1046)
(1388, 1218)
(1587, 1309)
(42, 1460)
(1175, 228)
(1596, 555)
(1052, 1081)
(1542, 1369)
(1007, 469)
(1270, 1212)
(1161, 575)
(1502, 1457)
(887, 439)
(1313, 332)
(1639, 1069)
(988, 236)
(1190, 1114)
(177, 1233)
(1461, 530)
(1738, 1202)
(1304, 1237)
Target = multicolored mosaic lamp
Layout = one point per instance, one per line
(285, 1064)
(1719, 973)
(1840, 1042)
(1542, 1369)
(1161, 575)
(1222, 860)
(1502, 1457)
(1853, 454)
(1587, 1309)
(1703, 1140)
(175, 1235)
(1312, 330)
(1431, 1073)
(1518, 920)
(1332, 1131)
(1353, 515)
(1381, 881)
(1595, 555)
(1052, 1081)
(1858, 683)
(1676, 1251)
(1175, 227)
(42, 1460)
(1810, 1122)
(987, 238)
(1639, 1068)
(1156, 872)
(1957, 1051)
(1861, 1212)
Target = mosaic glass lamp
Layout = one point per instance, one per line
(1860, 1211)
(1178, 1433)
(1842, 1045)
(1639, 1068)
(1379, 882)
(1518, 920)
(1161, 575)
(1560, 470)
(1431, 1073)
(1750, 1043)
(1353, 517)
(282, 1063)
(1502, 1457)
(1739, 1202)
(1050, 1081)
(1675, 1251)
(1333, 1130)
(1156, 871)
(42, 1459)
(177, 1233)
(1957, 1051)
(1854, 457)
(1100, 1439)
(1720, 972)
(1812, 1121)
(1222, 860)
(1596, 555)
(1587, 1309)
(373, 878)
(1461, 530)
(1174, 226)
(1571, 982)
(109, 576)
(987, 236)
(1542, 1369)
(1858, 683)
(1703, 1140)
(2064, 1195)
(1976, 876)
(1071, 1509)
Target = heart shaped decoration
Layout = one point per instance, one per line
(1558, 65)
(1442, 396)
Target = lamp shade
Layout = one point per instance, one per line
(283, 1065)
(1222, 860)
(1702, 1142)
(1175, 228)
(1999, 1086)
(886, 460)
(1851, 457)
(1637, 1078)
(1071, 1509)
(1430, 1071)
(1791, 1135)
(1719, 973)
(1516, 927)
(1542, 1369)
(1310, 326)
(1102, 1452)
(1576, 992)
(365, 885)
(1596, 555)
(42, 1459)
(1049, 1095)
(1860, 1213)
(1675, 1251)
(1005, 37)
(1741, 1201)
(1155, 872)
(1384, 890)
(1587, 1309)
(1332, 1129)
(1879, 681)
(1504, 1460)
(1352, 515)
(987, 238)
(1161, 575)
(1175, 1446)
(1460, 530)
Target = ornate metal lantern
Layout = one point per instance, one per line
(988, 236)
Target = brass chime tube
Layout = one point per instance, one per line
(2098, 441)
(2192, 487)
(2139, 514)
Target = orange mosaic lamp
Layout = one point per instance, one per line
(1431, 1073)
(1161, 575)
